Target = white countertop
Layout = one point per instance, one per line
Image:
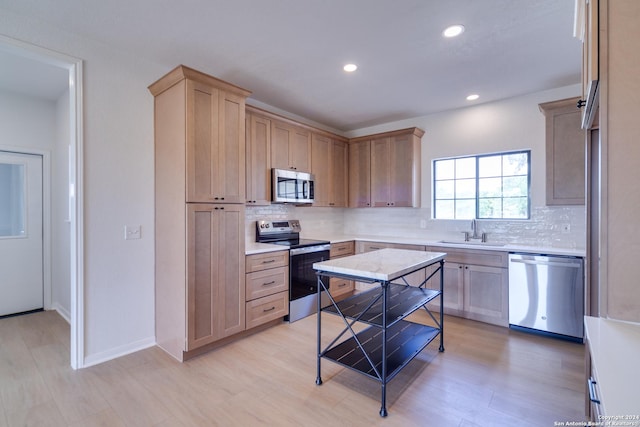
(252, 248)
(615, 350)
(462, 245)
(384, 264)
(256, 248)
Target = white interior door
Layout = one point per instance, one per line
(21, 268)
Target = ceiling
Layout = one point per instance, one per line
(290, 53)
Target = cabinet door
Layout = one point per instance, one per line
(338, 169)
(486, 294)
(290, 147)
(565, 153)
(401, 179)
(380, 173)
(453, 289)
(281, 135)
(203, 104)
(258, 160)
(230, 301)
(230, 184)
(300, 150)
(320, 152)
(215, 145)
(215, 272)
(202, 261)
(359, 174)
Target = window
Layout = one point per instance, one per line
(489, 186)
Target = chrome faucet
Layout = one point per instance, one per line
(474, 233)
(474, 229)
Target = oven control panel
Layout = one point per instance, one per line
(265, 227)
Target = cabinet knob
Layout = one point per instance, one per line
(581, 103)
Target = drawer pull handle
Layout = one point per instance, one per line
(374, 248)
(268, 261)
(592, 391)
(342, 285)
(269, 283)
(268, 309)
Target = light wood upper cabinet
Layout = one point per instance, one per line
(338, 173)
(392, 172)
(565, 152)
(290, 147)
(320, 155)
(360, 174)
(329, 167)
(258, 156)
(215, 144)
(588, 27)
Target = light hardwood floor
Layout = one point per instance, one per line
(488, 376)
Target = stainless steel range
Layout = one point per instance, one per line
(303, 282)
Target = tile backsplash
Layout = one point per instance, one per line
(549, 225)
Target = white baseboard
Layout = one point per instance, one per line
(62, 312)
(104, 356)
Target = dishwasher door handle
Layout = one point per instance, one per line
(549, 263)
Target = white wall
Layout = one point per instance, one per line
(27, 122)
(118, 187)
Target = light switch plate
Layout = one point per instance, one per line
(132, 232)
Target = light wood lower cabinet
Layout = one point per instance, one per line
(338, 287)
(215, 273)
(476, 285)
(267, 287)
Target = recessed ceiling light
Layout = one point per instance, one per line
(453, 30)
(350, 68)
(473, 97)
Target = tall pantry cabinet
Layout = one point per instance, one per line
(199, 205)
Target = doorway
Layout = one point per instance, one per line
(21, 233)
(71, 196)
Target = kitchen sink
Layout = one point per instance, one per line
(474, 243)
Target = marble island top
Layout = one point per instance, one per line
(381, 265)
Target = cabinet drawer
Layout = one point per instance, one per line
(265, 309)
(338, 286)
(475, 257)
(374, 246)
(266, 282)
(263, 261)
(342, 249)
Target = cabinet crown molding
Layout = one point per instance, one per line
(553, 107)
(182, 72)
(414, 131)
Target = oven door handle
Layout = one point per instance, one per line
(309, 249)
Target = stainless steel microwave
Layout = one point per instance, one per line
(292, 186)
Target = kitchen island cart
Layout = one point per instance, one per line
(389, 342)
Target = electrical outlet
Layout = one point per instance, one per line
(423, 223)
(566, 228)
(132, 232)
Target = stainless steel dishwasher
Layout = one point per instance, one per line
(546, 295)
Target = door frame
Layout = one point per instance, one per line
(76, 188)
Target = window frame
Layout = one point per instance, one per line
(477, 158)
